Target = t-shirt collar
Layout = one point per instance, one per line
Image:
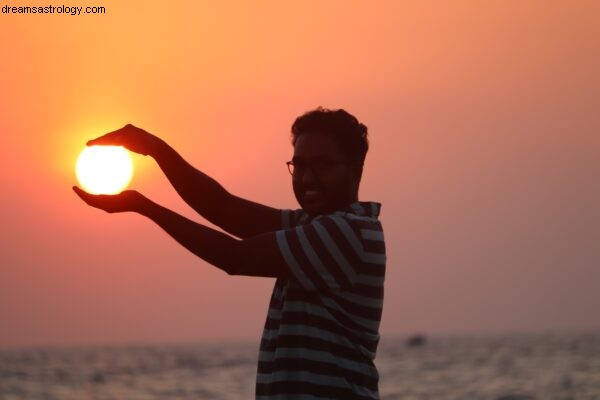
(364, 208)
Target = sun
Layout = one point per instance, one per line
(104, 169)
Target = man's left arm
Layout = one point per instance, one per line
(256, 256)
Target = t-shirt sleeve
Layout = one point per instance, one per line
(325, 253)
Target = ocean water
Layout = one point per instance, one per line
(522, 367)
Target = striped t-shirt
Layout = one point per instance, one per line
(321, 333)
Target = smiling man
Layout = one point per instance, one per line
(322, 327)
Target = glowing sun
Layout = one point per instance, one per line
(104, 169)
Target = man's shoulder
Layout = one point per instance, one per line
(358, 219)
(364, 214)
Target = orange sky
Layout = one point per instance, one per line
(484, 129)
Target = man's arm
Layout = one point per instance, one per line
(258, 256)
(240, 217)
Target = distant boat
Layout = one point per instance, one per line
(416, 340)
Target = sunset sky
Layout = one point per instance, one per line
(484, 125)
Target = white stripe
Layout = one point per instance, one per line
(361, 300)
(309, 331)
(301, 306)
(266, 356)
(315, 260)
(366, 323)
(371, 234)
(321, 356)
(301, 376)
(311, 309)
(291, 261)
(371, 220)
(350, 235)
(357, 207)
(374, 209)
(305, 376)
(274, 313)
(335, 252)
(316, 333)
(375, 258)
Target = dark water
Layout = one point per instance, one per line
(510, 367)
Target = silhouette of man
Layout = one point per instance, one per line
(322, 327)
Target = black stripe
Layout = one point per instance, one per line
(301, 318)
(329, 263)
(348, 251)
(275, 302)
(270, 344)
(374, 246)
(272, 323)
(305, 265)
(317, 367)
(375, 270)
(315, 321)
(375, 292)
(339, 316)
(366, 223)
(358, 310)
(308, 342)
(360, 208)
(286, 216)
(288, 387)
(361, 310)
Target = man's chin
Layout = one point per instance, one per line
(312, 208)
(316, 208)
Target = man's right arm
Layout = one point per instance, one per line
(240, 217)
(237, 216)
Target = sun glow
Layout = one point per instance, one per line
(104, 169)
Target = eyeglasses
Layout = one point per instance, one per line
(317, 167)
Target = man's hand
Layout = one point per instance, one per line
(128, 200)
(132, 138)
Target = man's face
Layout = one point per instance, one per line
(323, 180)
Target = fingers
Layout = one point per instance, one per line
(128, 200)
(114, 138)
(82, 194)
(95, 200)
(85, 196)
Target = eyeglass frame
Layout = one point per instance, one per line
(291, 165)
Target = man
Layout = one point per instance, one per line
(321, 333)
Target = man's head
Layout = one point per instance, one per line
(329, 152)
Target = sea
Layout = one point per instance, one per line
(501, 367)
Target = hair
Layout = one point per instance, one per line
(341, 126)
